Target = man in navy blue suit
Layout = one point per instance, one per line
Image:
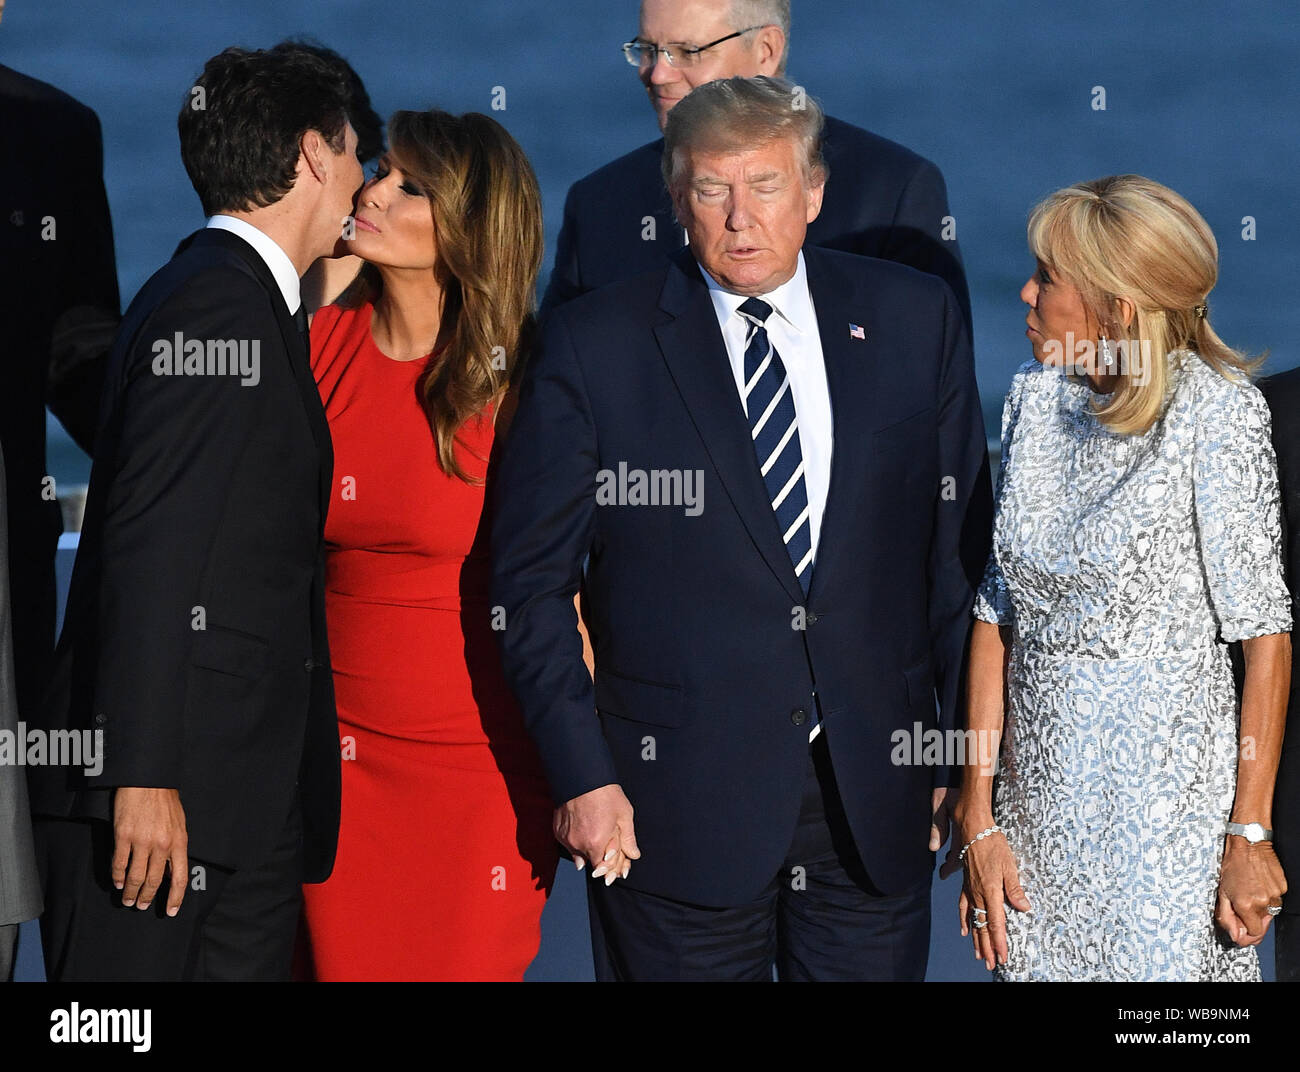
(771, 460)
(886, 201)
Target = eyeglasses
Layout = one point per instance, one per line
(641, 54)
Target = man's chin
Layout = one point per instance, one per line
(662, 108)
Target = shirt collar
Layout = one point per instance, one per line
(282, 269)
(791, 300)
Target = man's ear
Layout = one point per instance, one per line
(815, 195)
(681, 208)
(315, 152)
(769, 47)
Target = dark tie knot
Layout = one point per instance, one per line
(755, 309)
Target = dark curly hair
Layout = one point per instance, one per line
(367, 122)
(241, 124)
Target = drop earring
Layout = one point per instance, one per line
(1107, 354)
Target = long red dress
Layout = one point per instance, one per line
(445, 854)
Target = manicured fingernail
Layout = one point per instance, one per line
(117, 885)
(128, 903)
(609, 879)
(626, 868)
(580, 863)
(144, 905)
(600, 871)
(610, 855)
(173, 911)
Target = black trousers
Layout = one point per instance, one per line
(820, 917)
(232, 925)
(1286, 947)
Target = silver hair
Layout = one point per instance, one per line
(764, 13)
(740, 113)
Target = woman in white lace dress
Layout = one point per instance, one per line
(1137, 535)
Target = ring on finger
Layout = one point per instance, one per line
(981, 923)
(1275, 910)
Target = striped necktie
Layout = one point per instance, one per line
(769, 403)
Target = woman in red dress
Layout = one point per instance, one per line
(445, 853)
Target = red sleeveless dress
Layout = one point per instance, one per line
(445, 853)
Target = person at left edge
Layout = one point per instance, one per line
(194, 647)
(58, 283)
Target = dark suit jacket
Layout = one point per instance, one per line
(882, 200)
(1283, 395)
(56, 272)
(206, 506)
(703, 680)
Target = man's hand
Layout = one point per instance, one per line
(149, 834)
(596, 828)
(942, 801)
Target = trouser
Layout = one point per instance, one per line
(819, 918)
(8, 948)
(1286, 947)
(233, 925)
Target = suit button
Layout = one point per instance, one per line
(798, 716)
(100, 718)
(810, 618)
(310, 664)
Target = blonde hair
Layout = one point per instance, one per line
(487, 218)
(1129, 237)
(731, 114)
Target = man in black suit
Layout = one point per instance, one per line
(194, 649)
(57, 273)
(781, 496)
(1283, 394)
(883, 201)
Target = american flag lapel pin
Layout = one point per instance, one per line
(857, 331)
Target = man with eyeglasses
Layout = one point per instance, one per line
(882, 200)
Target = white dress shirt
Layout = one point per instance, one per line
(792, 329)
(286, 275)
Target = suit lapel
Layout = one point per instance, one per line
(295, 348)
(692, 347)
(852, 379)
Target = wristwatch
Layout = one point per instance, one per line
(1252, 832)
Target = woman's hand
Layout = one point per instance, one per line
(1250, 881)
(991, 882)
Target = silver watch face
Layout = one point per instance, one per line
(1252, 832)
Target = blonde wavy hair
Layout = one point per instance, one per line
(487, 220)
(1129, 237)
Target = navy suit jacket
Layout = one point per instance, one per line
(704, 677)
(1283, 394)
(882, 200)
